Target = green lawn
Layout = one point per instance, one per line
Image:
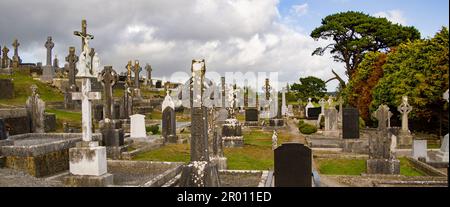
(154, 115)
(73, 118)
(257, 153)
(358, 166)
(22, 84)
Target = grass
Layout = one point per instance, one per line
(240, 117)
(358, 166)
(154, 115)
(256, 154)
(22, 84)
(72, 118)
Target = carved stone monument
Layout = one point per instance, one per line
(404, 137)
(35, 110)
(169, 120)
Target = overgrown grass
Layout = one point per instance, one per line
(72, 118)
(154, 115)
(22, 84)
(169, 153)
(358, 166)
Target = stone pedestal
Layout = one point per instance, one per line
(404, 139)
(419, 150)
(200, 174)
(276, 122)
(87, 158)
(88, 166)
(383, 166)
(221, 162)
(48, 73)
(232, 134)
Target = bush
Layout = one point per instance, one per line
(154, 129)
(362, 123)
(307, 129)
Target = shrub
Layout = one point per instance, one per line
(307, 128)
(362, 123)
(154, 129)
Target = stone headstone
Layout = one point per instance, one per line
(274, 140)
(72, 59)
(313, 113)
(350, 123)
(443, 151)
(293, 165)
(7, 89)
(127, 103)
(136, 69)
(49, 122)
(168, 120)
(116, 111)
(331, 122)
(149, 70)
(35, 110)
(137, 126)
(419, 149)
(98, 112)
(108, 78)
(158, 84)
(2, 129)
(251, 114)
(308, 106)
(16, 58)
(404, 137)
(5, 59)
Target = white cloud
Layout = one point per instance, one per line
(300, 9)
(232, 35)
(395, 16)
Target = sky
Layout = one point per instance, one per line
(248, 36)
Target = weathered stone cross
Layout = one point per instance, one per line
(72, 59)
(322, 105)
(404, 108)
(5, 59)
(382, 115)
(16, 45)
(128, 67)
(149, 69)
(136, 69)
(108, 77)
(83, 34)
(49, 45)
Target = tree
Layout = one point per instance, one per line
(355, 33)
(358, 92)
(418, 70)
(309, 87)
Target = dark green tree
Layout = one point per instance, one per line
(354, 33)
(309, 87)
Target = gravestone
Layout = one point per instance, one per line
(158, 84)
(382, 146)
(35, 110)
(313, 113)
(108, 78)
(98, 112)
(331, 123)
(168, 120)
(308, 106)
(419, 150)
(116, 111)
(404, 137)
(137, 127)
(5, 59)
(127, 103)
(7, 89)
(16, 59)
(149, 70)
(136, 69)
(87, 161)
(48, 71)
(129, 67)
(274, 140)
(350, 123)
(293, 165)
(251, 117)
(72, 59)
(49, 122)
(2, 129)
(200, 171)
(443, 151)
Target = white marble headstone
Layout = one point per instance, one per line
(419, 149)
(137, 126)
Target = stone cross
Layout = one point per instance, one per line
(35, 109)
(267, 89)
(127, 107)
(199, 131)
(5, 58)
(16, 58)
(149, 69)
(404, 108)
(284, 109)
(136, 69)
(128, 67)
(382, 115)
(108, 78)
(340, 101)
(49, 45)
(330, 101)
(86, 95)
(222, 81)
(83, 34)
(72, 59)
(322, 105)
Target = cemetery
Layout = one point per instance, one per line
(92, 124)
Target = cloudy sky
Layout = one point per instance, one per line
(231, 35)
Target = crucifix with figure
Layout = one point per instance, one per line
(83, 34)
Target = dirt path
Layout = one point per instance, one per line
(291, 128)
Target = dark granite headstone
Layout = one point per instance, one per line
(2, 130)
(158, 84)
(98, 112)
(293, 167)
(251, 114)
(169, 125)
(313, 113)
(112, 137)
(49, 122)
(350, 123)
(116, 111)
(7, 89)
